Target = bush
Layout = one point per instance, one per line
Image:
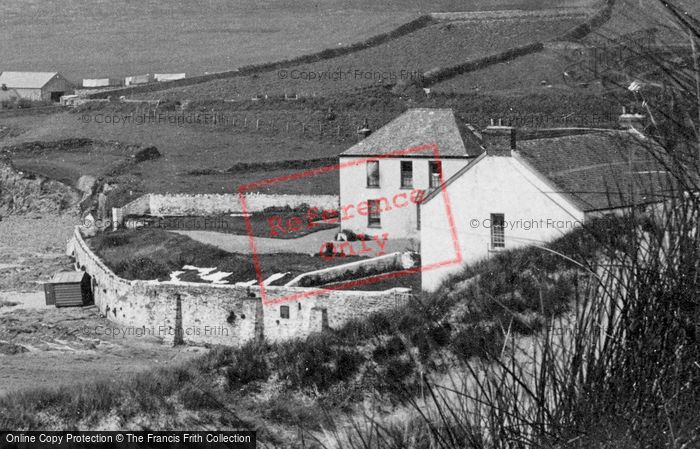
(474, 341)
(395, 375)
(248, 365)
(439, 334)
(394, 346)
(316, 362)
(194, 398)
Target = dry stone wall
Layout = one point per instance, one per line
(220, 314)
(212, 204)
(217, 204)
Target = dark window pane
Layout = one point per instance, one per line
(372, 173)
(374, 216)
(406, 174)
(435, 173)
(498, 238)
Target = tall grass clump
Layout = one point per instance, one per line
(620, 367)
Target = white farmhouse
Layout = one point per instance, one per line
(532, 191)
(383, 177)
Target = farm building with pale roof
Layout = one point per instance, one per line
(35, 86)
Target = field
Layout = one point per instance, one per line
(544, 70)
(537, 73)
(219, 148)
(405, 58)
(272, 130)
(103, 38)
(67, 160)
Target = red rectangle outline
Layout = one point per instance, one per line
(325, 169)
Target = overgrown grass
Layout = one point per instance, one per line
(149, 253)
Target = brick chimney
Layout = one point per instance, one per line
(499, 140)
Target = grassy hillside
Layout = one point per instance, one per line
(220, 148)
(628, 24)
(407, 57)
(107, 38)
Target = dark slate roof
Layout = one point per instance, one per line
(416, 127)
(604, 170)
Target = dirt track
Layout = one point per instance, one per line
(45, 346)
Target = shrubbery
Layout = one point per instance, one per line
(249, 364)
(316, 362)
(478, 341)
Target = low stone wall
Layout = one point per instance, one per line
(212, 204)
(217, 204)
(330, 274)
(513, 14)
(306, 315)
(186, 312)
(220, 314)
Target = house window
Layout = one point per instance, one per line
(374, 216)
(498, 238)
(435, 168)
(406, 174)
(284, 312)
(372, 173)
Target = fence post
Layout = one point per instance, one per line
(257, 124)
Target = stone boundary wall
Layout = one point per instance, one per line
(330, 274)
(212, 204)
(513, 14)
(229, 315)
(216, 204)
(186, 312)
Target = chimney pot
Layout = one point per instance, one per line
(499, 140)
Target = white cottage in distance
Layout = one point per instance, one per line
(380, 189)
(528, 192)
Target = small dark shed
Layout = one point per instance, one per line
(69, 288)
